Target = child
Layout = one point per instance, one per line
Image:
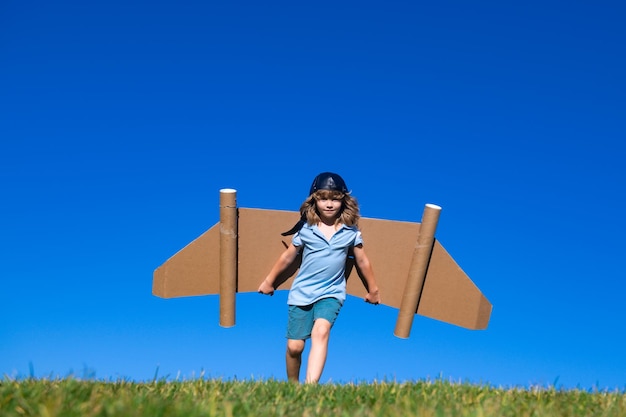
(325, 233)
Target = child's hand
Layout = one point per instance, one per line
(373, 297)
(266, 288)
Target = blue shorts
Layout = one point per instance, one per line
(302, 318)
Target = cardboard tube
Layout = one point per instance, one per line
(228, 256)
(417, 271)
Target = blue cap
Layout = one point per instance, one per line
(328, 181)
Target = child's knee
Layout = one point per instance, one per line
(295, 347)
(321, 329)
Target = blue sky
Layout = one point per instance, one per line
(121, 120)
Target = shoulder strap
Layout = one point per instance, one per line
(296, 227)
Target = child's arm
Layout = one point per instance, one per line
(364, 265)
(284, 260)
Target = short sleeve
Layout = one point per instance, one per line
(358, 239)
(296, 240)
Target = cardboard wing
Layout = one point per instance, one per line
(445, 293)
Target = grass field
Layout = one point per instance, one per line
(202, 397)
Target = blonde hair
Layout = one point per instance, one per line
(348, 214)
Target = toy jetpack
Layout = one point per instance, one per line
(413, 271)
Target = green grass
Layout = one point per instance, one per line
(201, 397)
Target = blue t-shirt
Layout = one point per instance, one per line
(321, 273)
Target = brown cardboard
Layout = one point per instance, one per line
(194, 270)
(228, 256)
(450, 296)
(417, 271)
(447, 295)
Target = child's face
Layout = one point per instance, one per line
(328, 208)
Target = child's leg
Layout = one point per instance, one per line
(294, 359)
(319, 350)
(325, 312)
